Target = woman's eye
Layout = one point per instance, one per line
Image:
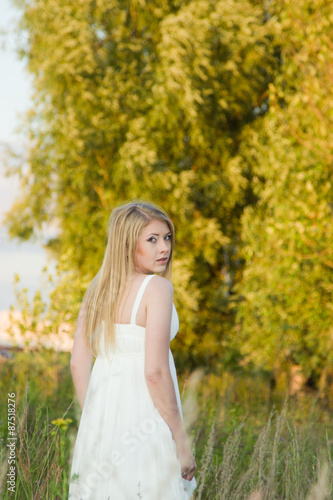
(168, 237)
(152, 239)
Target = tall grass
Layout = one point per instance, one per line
(42, 452)
(244, 448)
(284, 463)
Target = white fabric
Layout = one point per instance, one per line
(139, 297)
(124, 449)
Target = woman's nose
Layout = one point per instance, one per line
(164, 246)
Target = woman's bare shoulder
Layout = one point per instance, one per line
(160, 285)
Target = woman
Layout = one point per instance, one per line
(131, 441)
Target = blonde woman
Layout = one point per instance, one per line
(131, 442)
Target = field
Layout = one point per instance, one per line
(251, 441)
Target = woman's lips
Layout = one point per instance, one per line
(164, 259)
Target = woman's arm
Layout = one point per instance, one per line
(81, 360)
(157, 369)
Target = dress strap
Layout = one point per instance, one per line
(139, 297)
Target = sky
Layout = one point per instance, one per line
(26, 259)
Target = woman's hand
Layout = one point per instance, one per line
(187, 462)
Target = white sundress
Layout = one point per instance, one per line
(124, 449)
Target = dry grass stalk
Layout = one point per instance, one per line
(321, 490)
(189, 399)
(229, 462)
(23, 458)
(255, 473)
(271, 485)
(206, 462)
(3, 472)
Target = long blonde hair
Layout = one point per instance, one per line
(102, 298)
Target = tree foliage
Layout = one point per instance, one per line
(138, 99)
(219, 111)
(286, 318)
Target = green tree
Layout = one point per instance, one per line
(138, 99)
(286, 317)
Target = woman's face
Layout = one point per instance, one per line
(154, 247)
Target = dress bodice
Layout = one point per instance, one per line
(130, 337)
